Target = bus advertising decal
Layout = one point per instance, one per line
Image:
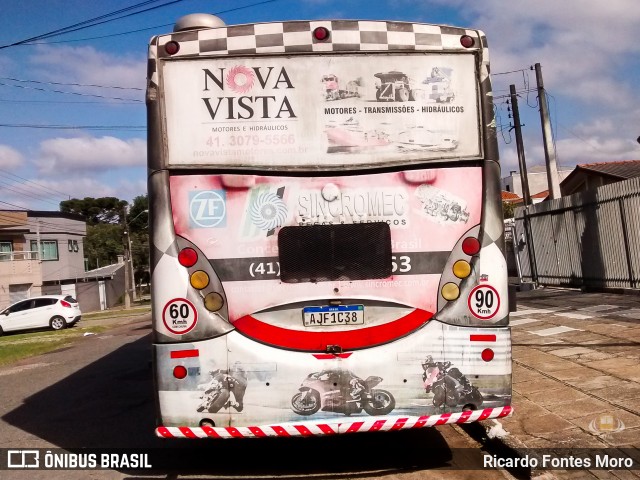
(353, 205)
(268, 268)
(441, 206)
(179, 316)
(266, 211)
(207, 209)
(263, 111)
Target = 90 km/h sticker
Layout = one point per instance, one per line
(484, 301)
(179, 316)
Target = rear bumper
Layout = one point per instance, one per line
(75, 320)
(327, 428)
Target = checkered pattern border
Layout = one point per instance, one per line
(296, 37)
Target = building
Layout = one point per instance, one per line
(103, 287)
(516, 200)
(537, 176)
(40, 253)
(588, 176)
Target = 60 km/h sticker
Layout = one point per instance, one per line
(484, 301)
(179, 316)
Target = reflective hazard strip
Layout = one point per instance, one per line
(313, 429)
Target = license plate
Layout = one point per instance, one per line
(333, 315)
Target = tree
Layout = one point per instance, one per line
(138, 218)
(96, 210)
(103, 244)
(508, 210)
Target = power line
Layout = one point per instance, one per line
(51, 227)
(9, 187)
(70, 84)
(147, 28)
(90, 23)
(70, 93)
(35, 183)
(132, 102)
(512, 71)
(75, 127)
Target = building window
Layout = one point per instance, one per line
(5, 251)
(48, 249)
(73, 245)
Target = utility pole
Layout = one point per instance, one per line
(549, 150)
(127, 269)
(524, 181)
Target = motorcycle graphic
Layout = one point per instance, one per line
(340, 391)
(217, 392)
(449, 386)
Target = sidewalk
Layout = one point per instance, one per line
(576, 373)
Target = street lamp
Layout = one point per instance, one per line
(129, 276)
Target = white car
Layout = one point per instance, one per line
(54, 311)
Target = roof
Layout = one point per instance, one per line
(510, 197)
(107, 271)
(543, 194)
(621, 169)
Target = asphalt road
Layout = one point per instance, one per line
(98, 393)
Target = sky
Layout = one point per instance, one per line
(72, 111)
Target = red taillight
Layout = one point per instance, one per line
(470, 246)
(321, 34)
(65, 304)
(466, 41)
(188, 257)
(180, 372)
(171, 47)
(487, 355)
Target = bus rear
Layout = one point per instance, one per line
(327, 239)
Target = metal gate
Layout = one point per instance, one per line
(589, 239)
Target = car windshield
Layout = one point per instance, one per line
(70, 299)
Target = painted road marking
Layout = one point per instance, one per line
(523, 321)
(576, 316)
(631, 313)
(554, 331)
(531, 312)
(598, 308)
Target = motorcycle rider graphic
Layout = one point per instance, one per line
(449, 385)
(356, 387)
(218, 390)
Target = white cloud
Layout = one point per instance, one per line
(589, 63)
(89, 154)
(46, 193)
(87, 65)
(584, 48)
(10, 158)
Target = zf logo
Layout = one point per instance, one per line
(207, 208)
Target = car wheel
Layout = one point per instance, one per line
(57, 323)
(1, 332)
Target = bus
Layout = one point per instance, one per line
(326, 228)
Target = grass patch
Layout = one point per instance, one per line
(24, 345)
(117, 313)
(13, 352)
